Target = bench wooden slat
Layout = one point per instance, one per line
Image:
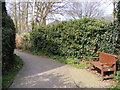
(97, 64)
(108, 76)
(107, 58)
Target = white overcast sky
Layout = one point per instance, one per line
(108, 6)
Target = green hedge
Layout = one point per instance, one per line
(118, 11)
(118, 24)
(8, 40)
(75, 38)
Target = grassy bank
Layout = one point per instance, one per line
(9, 76)
(116, 86)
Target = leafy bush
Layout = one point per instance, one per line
(118, 11)
(18, 41)
(118, 24)
(26, 42)
(8, 40)
(9, 76)
(75, 38)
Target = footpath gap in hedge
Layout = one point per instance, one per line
(75, 38)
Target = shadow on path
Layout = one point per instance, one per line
(41, 72)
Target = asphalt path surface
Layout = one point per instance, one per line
(44, 72)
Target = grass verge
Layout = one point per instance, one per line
(9, 76)
(116, 86)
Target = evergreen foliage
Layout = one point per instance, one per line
(75, 38)
(8, 40)
(118, 11)
(118, 24)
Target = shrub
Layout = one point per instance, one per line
(25, 41)
(118, 11)
(18, 41)
(9, 76)
(75, 38)
(118, 24)
(8, 40)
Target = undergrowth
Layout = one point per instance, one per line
(8, 77)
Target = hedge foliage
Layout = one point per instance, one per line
(118, 41)
(8, 40)
(75, 38)
(118, 11)
(118, 23)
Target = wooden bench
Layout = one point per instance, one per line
(105, 63)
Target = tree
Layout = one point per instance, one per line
(44, 10)
(85, 8)
(35, 13)
(19, 11)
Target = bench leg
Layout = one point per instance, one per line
(114, 70)
(114, 73)
(102, 73)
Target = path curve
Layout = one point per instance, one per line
(43, 72)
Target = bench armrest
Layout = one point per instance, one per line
(93, 58)
(108, 63)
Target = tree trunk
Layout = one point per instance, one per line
(19, 19)
(27, 17)
(23, 18)
(43, 21)
(15, 17)
(33, 23)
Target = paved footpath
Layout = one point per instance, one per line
(43, 72)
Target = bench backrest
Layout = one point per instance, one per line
(107, 58)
